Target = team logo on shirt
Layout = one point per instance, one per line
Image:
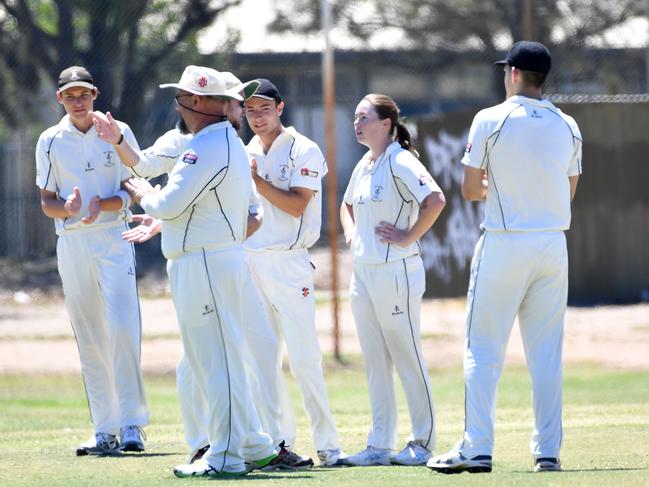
(360, 200)
(397, 310)
(305, 291)
(424, 179)
(536, 114)
(305, 171)
(468, 148)
(89, 167)
(190, 157)
(283, 172)
(131, 272)
(377, 193)
(208, 310)
(109, 159)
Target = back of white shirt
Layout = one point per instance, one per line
(292, 161)
(67, 157)
(529, 148)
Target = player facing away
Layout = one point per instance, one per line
(204, 210)
(262, 369)
(80, 180)
(390, 202)
(287, 169)
(523, 159)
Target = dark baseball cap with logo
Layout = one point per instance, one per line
(267, 91)
(75, 76)
(528, 56)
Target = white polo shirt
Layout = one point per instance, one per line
(67, 157)
(389, 190)
(161, 157)
(292, 161)
(204, 204)
(529, 148)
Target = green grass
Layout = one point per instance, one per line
(606, 433)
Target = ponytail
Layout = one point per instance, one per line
(404, 138)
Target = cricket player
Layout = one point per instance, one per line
(80, 180)
(390, 202)
(523, 159)
(287, 169)
(204, 212)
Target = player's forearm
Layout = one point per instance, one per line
(254, 223)
(429, 211)
(112, 203)
(573, 186)
(126, 153)
(347, 221)
(54, 208)
(291, 202)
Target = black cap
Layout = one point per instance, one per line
(75, 76)
(267, 91)
(529, 56)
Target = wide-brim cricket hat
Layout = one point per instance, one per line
(528, 56)
(203, 81)
(75, 76)
(233, 83)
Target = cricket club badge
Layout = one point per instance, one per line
(109, 162)
(283, 173)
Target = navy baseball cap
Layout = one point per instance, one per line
(529, 56)
(75, 76)
(267, 91)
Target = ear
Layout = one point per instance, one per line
(280, 108)
(59, 98)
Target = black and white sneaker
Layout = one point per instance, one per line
(455, 462)
(196, 455)
(288, 460)
(547, 464)
(100, 444)
(132, 438)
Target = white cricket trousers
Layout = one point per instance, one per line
(285, 281)
(264, 374)
(206, 289)
(524, 273)
(97, 270)
(386, 304)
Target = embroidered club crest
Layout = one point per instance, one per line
(305, 291)
(305, 171)
(109, 159)
(377, 193)
(202, 81)
(283, 173)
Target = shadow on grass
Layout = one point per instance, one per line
(577, 470)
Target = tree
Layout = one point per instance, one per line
(122, 43)
(458, 25)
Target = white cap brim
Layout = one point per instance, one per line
(227, 94)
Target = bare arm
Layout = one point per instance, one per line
(429, 211)
(109, 131)
(54, 207)
(254, 222)
(347, 221)
(474, 184)
(573, 186)
(294, 201)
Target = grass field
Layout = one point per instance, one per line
(606, 433)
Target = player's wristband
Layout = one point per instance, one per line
(121, 138)
(126, 199)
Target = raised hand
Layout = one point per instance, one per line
(73, 202)
(148, 227)
(106, 127)
(93, 210)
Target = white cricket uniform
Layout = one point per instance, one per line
(386, 288)
(204, 211)
(159, 159)
(97, 271)
(278, 258)
(529, 148)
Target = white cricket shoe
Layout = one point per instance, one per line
(132, 438)
(455, 462)
(413, 454)
(99, 444)
(370, 456)
(547, 465)
(201, 468)
(332, 458)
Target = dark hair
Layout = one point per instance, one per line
(386, 107)
(533, 78)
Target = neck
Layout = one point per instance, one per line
(529, 92)
(82, 125)
(268, 139)
(205, 121)
(379, 148)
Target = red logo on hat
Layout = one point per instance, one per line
(202, 81)
(305, 291)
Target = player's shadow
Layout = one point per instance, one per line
(575, 470)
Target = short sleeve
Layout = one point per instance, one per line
(45, 178)
(476, 147)
(575, 167)
(130, 138)
(162, 156)
(309, 167)
(411, 174)
(348, 197)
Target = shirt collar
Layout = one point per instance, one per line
(214, 126)
(530, 101)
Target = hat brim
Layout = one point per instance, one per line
(226, 94)
(502, 62)
(248, 88)
(76, 84)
